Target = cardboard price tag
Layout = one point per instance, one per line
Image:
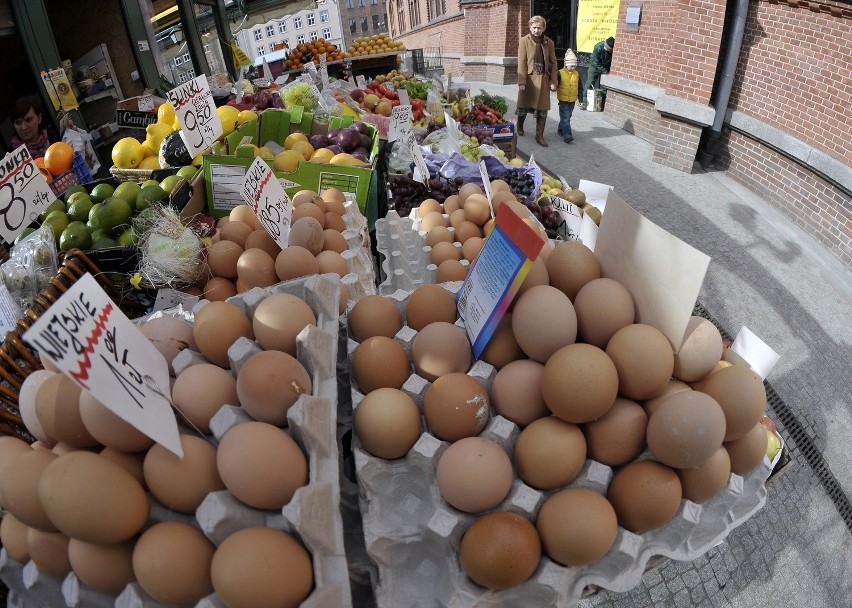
(572, 219)
(196, 114)
(146, 103)
(323, 70)
(400, 122)
(265, 194)
(169, 298)
(360, 81)
(486, 184)
(419, 161)
(24, 193)
(89, 339)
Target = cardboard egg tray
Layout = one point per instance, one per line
(412, 535)
(313, 515)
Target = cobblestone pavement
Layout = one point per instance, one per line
(770, 276)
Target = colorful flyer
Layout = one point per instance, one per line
(91, 341)
(496, 275)
(59, 89)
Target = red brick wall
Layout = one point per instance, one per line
(643, 56)
(694, 54)
(633, 115)
(795, 73)
(676, 144)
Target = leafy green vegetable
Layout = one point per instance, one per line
(495, 102)
(417, 89)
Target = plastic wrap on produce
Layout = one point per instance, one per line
(412, 535)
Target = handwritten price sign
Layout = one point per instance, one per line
(90, 340)
(400, 122)
(196, 113)
(421, 172)
(24, 193)
(265, 194)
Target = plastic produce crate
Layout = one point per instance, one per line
(77, 174)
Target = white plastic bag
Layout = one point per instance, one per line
(81, 141)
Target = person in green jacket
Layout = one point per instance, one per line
(566, 94)
(599, 62)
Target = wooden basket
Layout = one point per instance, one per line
(17, 360)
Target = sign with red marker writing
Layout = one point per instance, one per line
(91, 341)
(264, 193)
(24, 193)
(196, 112)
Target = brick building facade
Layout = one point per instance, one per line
(787, 133)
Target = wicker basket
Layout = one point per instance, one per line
(17, 360)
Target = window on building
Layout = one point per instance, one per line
(364, 24)
(186, 58)
(375, 23)
(314, 36)
(190, 74)
(436, 8)
(312, 19)
(300, 39)
(360, 2)
(271, 46)
(385, 19)
(323, 16)
(326, 33)
(270, 31)
(258, 34)
(352, 27)
(414, 12)
(401, 17)
(297, 23)
(178, 60)
(348, 3)
(282, 27)
(374, 2)
(259, 51)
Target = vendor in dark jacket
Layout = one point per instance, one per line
(599, 62)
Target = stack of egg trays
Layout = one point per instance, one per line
(313, 515)
(413, 536)
(361, 279)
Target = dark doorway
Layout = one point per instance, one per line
(561, 17)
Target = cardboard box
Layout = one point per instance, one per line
(132, 103)
(502, 132)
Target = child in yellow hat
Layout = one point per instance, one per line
(566, 94)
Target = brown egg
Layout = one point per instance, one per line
(467, 230)
(222, 258)
(221, 223)
(278, 319)
(674, 386)
(108, 428)
(429, 303)
(10, 447)
(476, 209)
(451, 203)
(201, 391)
(432, 219)
(472, 247)
(58, 410)
(244, 214)
(170, 335)
(294, 262)
(194, 291)
(549, 453)
(498, 184)
(748, 451)
(27, 408)
(618, 436)
(171, 561)
(335, 197)
(374, 316)
(13, 537)
(707, 479)
(305, 196)
(237, 232)
(247, 566)
(429, 205)
(500, 197)
(474, 474)
(456, 405)
(580, 383)
(217, 326)
(571, 265)
(387, 422)
(603, 307)
(742, 396)
(440, 348)
(467, 189)
(307, 232)
(269, 383)
(577, 527)
(309, 210)
(450, 270)
(439, 234)
(686, 429)
(20, 488)
(444, 251)
(219, 289)
(104, 568)
(541, 334)
(516, 392)
(183, 483)
(699, 352)
(380, 362)
(261, 239)
(333, 263)
(256, 268)
(500, 550)
(645, 495)
(334, 241)
(92, 498)
(502, 348)
(49, 551)
(261, 465)
(644, 360)
(456, 217)
(130, 462)
(536, 276)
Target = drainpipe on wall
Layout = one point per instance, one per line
(723, 90)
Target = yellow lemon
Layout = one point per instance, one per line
(228, 116)
(293, 138)
(245, 116)
(150, 162)
(304, 148)
(127, 153)
(265, 152)
(323, 155)
(176, 125)
(196, 162)
(288, 161)
(155, 133)
(166, 113)
(148, 149)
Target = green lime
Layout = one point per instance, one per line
(128, 238)
(101, 192)
(58, 221)
(113, 214)
(187, 172)
(76, 196)
(56, 205)
(24, 234)
(99, 233)
(149, 182)
(78, 210)
(103, 242)
(149, 195)
(128, 191)
(168, 184)
(75, 235)
(72, 191)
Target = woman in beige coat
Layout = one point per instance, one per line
(537, 76)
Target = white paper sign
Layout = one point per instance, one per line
(596, 193)
(169, 298)
(588, 232)
(286, 183)
(403, 97)
(755, 352)
(196, 113)
(486, 184)
(89, 339)
(572, 219)
(323, 70)
(532, 162)
(419, 161)
(263, 193)
(146, 103)
(24, 193)
(400, 122)
(360, 81)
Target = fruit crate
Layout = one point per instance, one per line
(77, 174)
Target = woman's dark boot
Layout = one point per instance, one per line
(540, 122)
(521, 118)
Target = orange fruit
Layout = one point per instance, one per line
(39, 162)
(58, 158)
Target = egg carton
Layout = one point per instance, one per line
(361, 279)
(312, 515)
(412, 535)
